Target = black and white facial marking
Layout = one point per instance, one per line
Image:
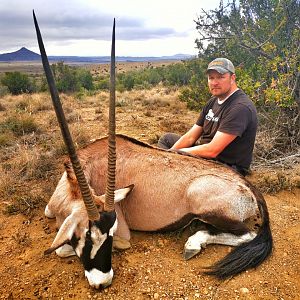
(95, 250)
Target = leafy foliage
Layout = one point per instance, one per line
(262, 38)
(196, 93)
(177, 74)
(70, 79)
(18, 83)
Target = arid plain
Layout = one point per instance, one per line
(32, 163)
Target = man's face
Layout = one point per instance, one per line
(221, 85)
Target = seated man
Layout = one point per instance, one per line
(226, 127)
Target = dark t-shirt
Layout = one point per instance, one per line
(237, 116)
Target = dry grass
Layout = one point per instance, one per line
(32, 149)
(273, 180)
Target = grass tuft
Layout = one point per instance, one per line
(20, 124)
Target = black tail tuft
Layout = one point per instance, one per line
(247, 255)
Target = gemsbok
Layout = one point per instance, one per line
(170, 191)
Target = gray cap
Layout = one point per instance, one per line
(221, 65)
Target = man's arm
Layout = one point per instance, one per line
(189, 138)
(211, 150)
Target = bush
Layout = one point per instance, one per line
(18, 83)
(103, 84)
(19, 125)
(70, 79)
(174, 75)
(3, 91)
(178, 74)
(85, 79)
(196, 93)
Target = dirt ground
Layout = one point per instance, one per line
(153, 268)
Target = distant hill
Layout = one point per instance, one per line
(24, 54)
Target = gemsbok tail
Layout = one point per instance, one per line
(249, 254)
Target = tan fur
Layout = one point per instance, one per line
(168, 186)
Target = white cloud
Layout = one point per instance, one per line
(83, 27)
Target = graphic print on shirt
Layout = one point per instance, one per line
(211, 116)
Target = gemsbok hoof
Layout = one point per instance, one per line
(121, 244)
(189, 253)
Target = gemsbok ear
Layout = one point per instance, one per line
(120, 194)
(64, 234)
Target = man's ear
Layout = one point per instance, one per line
(233, 78)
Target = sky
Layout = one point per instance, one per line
(84, 27)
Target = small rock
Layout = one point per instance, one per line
(244, 290)
(156, 296)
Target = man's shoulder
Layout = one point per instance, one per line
(239, 98)
(210, 103)
(240, 95)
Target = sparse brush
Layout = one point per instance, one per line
(174, 125)
(155, 103)
(138, 122)
(41, 106)
(73, 117)
(153, 140)
(81, 137)
(3, 91)
(2, 107)
(43, 167)
(20, 124)
(148, 113)
(121, 103)
(277, 180)
(22, 238)
(98, 110)
(6, 139)
(8, 184)
(25, 204)
(22, 105)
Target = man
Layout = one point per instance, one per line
(226, 126)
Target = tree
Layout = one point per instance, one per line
(85, 79)
(18, 83)
(196, 93)
(177, 74)
(262, 37)
(65, 78)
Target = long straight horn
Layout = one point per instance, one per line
(111, 168)
(91, 208)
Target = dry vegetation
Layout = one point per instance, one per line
(36, 68)
(31, 155)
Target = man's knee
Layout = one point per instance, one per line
(167, 140)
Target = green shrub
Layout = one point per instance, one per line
(174, 75)
(178, 74)
(85, 79)
(18, 83)
(3, 91)
(103, 84)
(70, 79)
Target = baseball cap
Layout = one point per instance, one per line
(221, 65)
